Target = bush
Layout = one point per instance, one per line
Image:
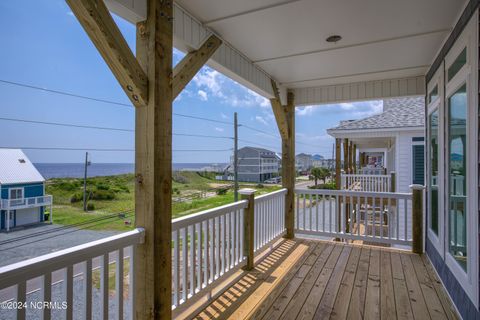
(90, 206)
(102, 195)
(102, 186)
(259, 186)
(222, 191)
(325, 186)
(76, 197)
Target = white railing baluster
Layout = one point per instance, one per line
(184, 265)
(191, 272)
(176, 267)
(206, 263)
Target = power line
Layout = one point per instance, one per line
(101, 100)
(261, 131)
(108, 150)
(104, 128)
(65, 93)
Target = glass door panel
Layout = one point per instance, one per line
(433, 174)
(457, 173)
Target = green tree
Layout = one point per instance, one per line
(320, 173)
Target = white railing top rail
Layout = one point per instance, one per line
(185, 221)
(361, 175)
(26, 202)
(393, 195)
(270, 195)
(10, 275)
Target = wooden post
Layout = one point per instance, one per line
(392, 181)
(153, 165)
(354, 155)
(346, 165)
(288, 166)
(338, 163)
(350, 157)
(417, 218)
(248, 226)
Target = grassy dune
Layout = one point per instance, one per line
(115, 194)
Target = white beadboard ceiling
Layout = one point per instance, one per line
(382, 39)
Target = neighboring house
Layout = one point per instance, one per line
(318, 160)
(22, 190)
(304, 162)
(392, 141)
(256, 164)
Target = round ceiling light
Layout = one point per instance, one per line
(335, 38)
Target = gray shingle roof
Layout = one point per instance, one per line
(398, 113)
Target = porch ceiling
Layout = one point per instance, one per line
(381, 39)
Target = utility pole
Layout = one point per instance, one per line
(87, 163)
(235, 155)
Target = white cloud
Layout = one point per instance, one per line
(226, 90)
(304, 111)
(261, 120)
(219, 129)
(203, 95)
(355, 110)
(224, 116)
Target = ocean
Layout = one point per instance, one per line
(76, 170)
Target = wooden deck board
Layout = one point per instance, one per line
(307, 279)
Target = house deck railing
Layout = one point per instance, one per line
(209, 246)
(90, 264)
(382, 217)
(367, 182)
(31, 202)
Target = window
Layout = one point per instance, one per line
(457, 173)
(433, 174)
(16, 193)
(459, 62)
(418, 164)
(433, 94)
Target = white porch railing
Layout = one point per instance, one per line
(269, 218)
(64, 268)
(12, 204)
(375, 217)
(208, 246)
(366, 182)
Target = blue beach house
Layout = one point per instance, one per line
(22, 191)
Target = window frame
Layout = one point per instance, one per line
(466, 75)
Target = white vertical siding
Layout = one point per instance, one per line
(358, 91)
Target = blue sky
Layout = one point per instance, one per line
(45, 46)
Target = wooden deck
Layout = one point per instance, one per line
(304, 279)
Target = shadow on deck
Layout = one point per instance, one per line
(306, 279)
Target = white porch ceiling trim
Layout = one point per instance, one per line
(360, 91)
(373, 133)
(189, 34)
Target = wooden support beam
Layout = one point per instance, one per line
(186, 69)
(153, 166)
(338, 162)
(346, 164)
(249, 227)
(350, 158)
(279, 113)
(417, 218)
(354, 155)
(95, 18)
(288, 166)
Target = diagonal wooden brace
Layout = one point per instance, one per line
(95, 18)
(279, 112)
(186, 69)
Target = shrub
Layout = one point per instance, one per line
(222, 191)
(90, 206)
(259, 186)
(76, 197)
(102, 195)
(102, 186)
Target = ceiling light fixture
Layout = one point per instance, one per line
(335, 38)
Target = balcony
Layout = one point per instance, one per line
(232, 261)
(32, 202)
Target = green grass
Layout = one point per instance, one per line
(122, 188)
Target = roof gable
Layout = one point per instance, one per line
(398, 113)
(15, 167)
